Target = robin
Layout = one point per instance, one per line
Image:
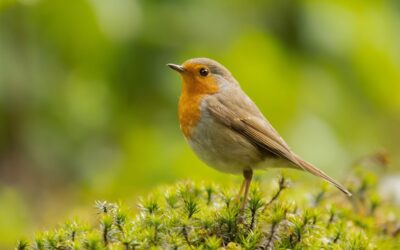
(225, 128)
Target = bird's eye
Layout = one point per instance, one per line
(204, 72)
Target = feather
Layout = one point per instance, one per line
(315, 171)
(245, 118)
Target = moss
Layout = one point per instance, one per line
(196, 216)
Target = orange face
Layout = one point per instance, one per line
(197, 79)
(197, 83)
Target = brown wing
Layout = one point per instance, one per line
(256, 129)
(245, 118)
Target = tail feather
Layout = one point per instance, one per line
(315, 171)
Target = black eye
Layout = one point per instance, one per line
(204, 72)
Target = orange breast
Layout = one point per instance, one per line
(190, 100)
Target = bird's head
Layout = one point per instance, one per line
(203, 76)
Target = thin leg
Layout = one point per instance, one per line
(241, 190)
(248, 175)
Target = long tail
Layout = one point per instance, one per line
(315, 171)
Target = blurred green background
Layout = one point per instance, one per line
(88, 109)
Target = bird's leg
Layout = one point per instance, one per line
(240, 191)
(248, 175)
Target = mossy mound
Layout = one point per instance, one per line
(205, 216)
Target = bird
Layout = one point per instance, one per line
(226, 129)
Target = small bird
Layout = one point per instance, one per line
(226, 129)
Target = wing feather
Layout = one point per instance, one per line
(256, 129)
(246, 119)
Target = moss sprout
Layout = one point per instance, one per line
(205, 216)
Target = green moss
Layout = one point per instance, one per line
(196, 216)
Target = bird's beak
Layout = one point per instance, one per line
(176, 67)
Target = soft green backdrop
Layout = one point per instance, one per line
(88, 108)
